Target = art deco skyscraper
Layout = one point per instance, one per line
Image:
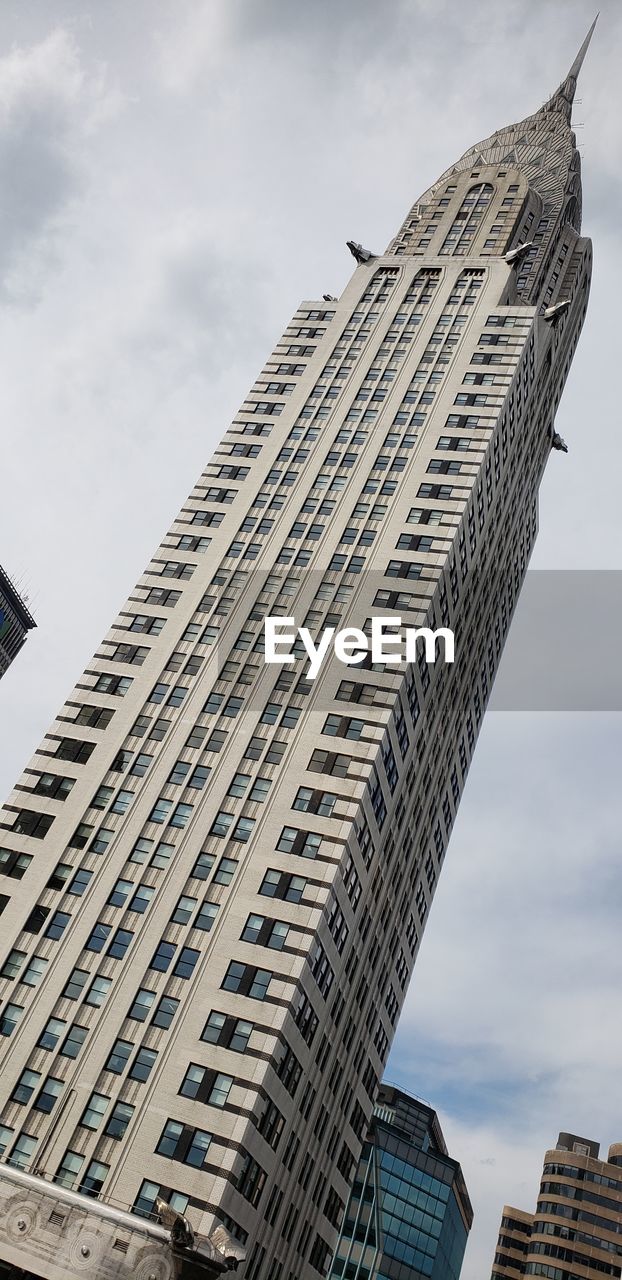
(577, 1226)
(217, 871)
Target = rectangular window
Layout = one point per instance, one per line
(80, 882)
(119, 1119)
(247, 980)
(100, 841)
(60, 875)
(183, 910)
(165, 1012)
(141, 1006)
(98, 991)
(162, 957)
(122, 802)
(232, 1033)
(206, 915)
(9, 1018)
(225, 871)
(30, 823)
(180, 815)
(304, 843)
(94, 1111)
(105, 683)
(51, 1033)
(266, 932)
(75, 984)
(23, 1151)
(74, 749)
(73, 1041)
(94, 717)
(251, 1180)
(160, 810)
(94, 1178)
(142, 1064)
(14, 864)
(24, 1089)
(51, 784)
(120, 942)
(211, 1087)
(203, 866)
(186, 962)
(179, 1142)
(98, 937)
(34, 971)
(69, 1169)
(57, 925)
(141, 899)
(119, 1056)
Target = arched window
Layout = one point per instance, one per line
(467, 220)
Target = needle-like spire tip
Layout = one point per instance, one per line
(563, 97)
(578, 62)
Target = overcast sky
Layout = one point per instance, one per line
(176, 176)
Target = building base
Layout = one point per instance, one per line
(49, 1233)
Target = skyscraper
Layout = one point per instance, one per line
(409, 1213)
(15, 622)
(577, 1226)
(218, 870)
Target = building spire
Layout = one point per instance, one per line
(573, 74)
(563, 97)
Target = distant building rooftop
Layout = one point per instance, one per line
(8, 588)
(15, 621)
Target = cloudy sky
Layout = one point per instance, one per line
(176, 176)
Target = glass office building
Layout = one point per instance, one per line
(15, 622)
(409, 1213)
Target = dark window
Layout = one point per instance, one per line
(74, 749)
(99, 937)
(30, 823)
(76, 984)
(162, 956)
(119, 1119)
(57, 925)
(222, 1029)
(180, 1142)
(141, 1006)
(165, 1012)
(51, 784)
(185, 964)
(247, 980)
(9, 1018)
(211, 1087)
(14, 864)
(119, 1056)
(73, 1041)
(142, 1064)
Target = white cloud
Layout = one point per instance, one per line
(48, 107)
(510, 1026)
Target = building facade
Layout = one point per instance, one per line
(409, 1213)
(217, 871)
(15, 622)
(576, 1230)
